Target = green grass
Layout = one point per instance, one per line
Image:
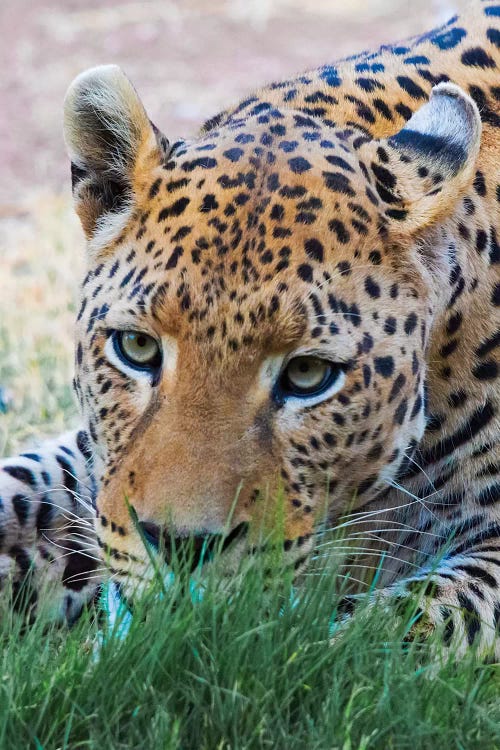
(230, 671)
(240, 669)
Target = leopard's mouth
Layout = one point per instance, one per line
(183, 560)
(180, 563)
(192, 550)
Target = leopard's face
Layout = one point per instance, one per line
(252, 341)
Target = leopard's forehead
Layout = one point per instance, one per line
(264, 191)
(252, 228)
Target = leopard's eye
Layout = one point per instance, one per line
(307, 376)
(138, 349)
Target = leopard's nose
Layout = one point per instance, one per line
(195, 548)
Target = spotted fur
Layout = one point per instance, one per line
(352, 213)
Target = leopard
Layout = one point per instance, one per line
(289, 319)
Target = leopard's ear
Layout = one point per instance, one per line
(112, 146)
(421, 172)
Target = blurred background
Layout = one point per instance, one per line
(188, 59)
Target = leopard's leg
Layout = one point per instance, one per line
(47, 538)
(459, 596)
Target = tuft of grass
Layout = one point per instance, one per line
(248, 666)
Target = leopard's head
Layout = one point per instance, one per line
(253, 337)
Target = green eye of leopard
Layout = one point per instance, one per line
(307, 376)
(138, 349)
